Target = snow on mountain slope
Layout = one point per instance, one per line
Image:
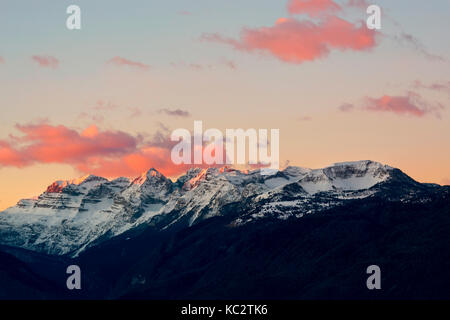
(72, 215)
(61, 219)
(345, 176)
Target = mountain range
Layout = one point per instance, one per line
(224, 233)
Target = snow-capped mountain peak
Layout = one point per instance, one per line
(148, 175)
(87, 181)
(73, 214)
(357, 175)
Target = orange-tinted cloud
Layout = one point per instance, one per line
(2, 60)
(312, 8)
(119, 61)
(93, 151)
(133, 164)
(44, 143)
(60, 144)
(90, 132)
(46, 61)
(106, 153)
(153, 154)
(11, 157)
(295, 41)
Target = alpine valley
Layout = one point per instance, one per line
(220, 233)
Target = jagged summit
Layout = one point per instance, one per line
(59, 185)
(74, 214)
(149, 174)
(196, 174)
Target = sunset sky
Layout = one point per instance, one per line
(105, 98)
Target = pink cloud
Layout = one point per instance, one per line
(46, 61)
(155, 153)
(106, 153)
(101, 152)
(296, 41)
(11, 157)
(49, 144)
(410, 104)
(119, 61)
(133, 164)
(312, 8)
(44, 143)
(2, 60)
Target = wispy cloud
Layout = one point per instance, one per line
(135, 112)
(46, 61)
(102, 105)
(436, 86)
(175, 112)
(102, 108)
(205, 66)
(196, 66)
(119, 61)
(411, 104)
(229, 64)
(413, 42)
(346, 107)
(97, 118)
